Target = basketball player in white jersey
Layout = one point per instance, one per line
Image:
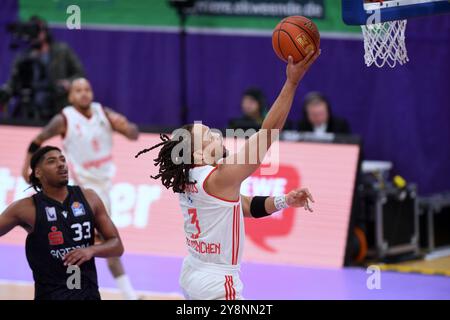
(210, 198)
(86, 128)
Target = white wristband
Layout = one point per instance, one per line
(280, 202)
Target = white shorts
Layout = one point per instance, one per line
(102, 188)
(207, 281)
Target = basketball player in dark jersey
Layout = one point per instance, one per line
(61, 221)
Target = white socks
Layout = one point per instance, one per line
(124, 285)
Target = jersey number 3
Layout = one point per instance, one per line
(194, 221)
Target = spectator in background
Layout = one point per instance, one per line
(253, 105)
(318, 117)
(41, 74)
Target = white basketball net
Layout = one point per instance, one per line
(385, 43)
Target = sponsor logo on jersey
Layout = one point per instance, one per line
(61, 252)
(55, 237)
(78, 209)
(64, 213)
(51, 213)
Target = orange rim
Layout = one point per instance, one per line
(362, 244)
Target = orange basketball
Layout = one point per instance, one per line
(295, 36)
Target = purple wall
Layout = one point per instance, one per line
(132, 72)
(402, 114)
(8, 14)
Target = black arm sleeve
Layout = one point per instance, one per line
(258, 208)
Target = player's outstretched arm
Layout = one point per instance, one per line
(112, 244)
(10, 217)
(265, 206)
(55, 127)
(226, 180)
(278, 113)
(121, 124)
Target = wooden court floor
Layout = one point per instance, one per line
(11, 290)
(440, 266)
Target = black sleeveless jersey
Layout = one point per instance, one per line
(59, 229)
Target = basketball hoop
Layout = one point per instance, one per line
(385, 43)
(383, 24)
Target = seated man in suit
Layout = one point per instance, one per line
(318, 118)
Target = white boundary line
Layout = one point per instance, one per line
(205, 31)
(438, 253)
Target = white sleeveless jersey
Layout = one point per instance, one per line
(214, 228)
(88, 144)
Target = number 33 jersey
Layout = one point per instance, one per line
(214, 227)
(60, 228)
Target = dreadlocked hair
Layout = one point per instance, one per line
(174, 175)
(35, 160)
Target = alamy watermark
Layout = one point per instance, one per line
(246, 147)
(74, 280)
(374, 17)
(374, 280)
(73, 21)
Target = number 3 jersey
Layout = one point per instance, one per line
(60, 228)
(214, 227)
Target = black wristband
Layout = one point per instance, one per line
(258, 207)
(33, 147)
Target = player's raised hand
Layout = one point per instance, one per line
(296, 71)
(119, 122)
(78, 256)
(300, 198)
